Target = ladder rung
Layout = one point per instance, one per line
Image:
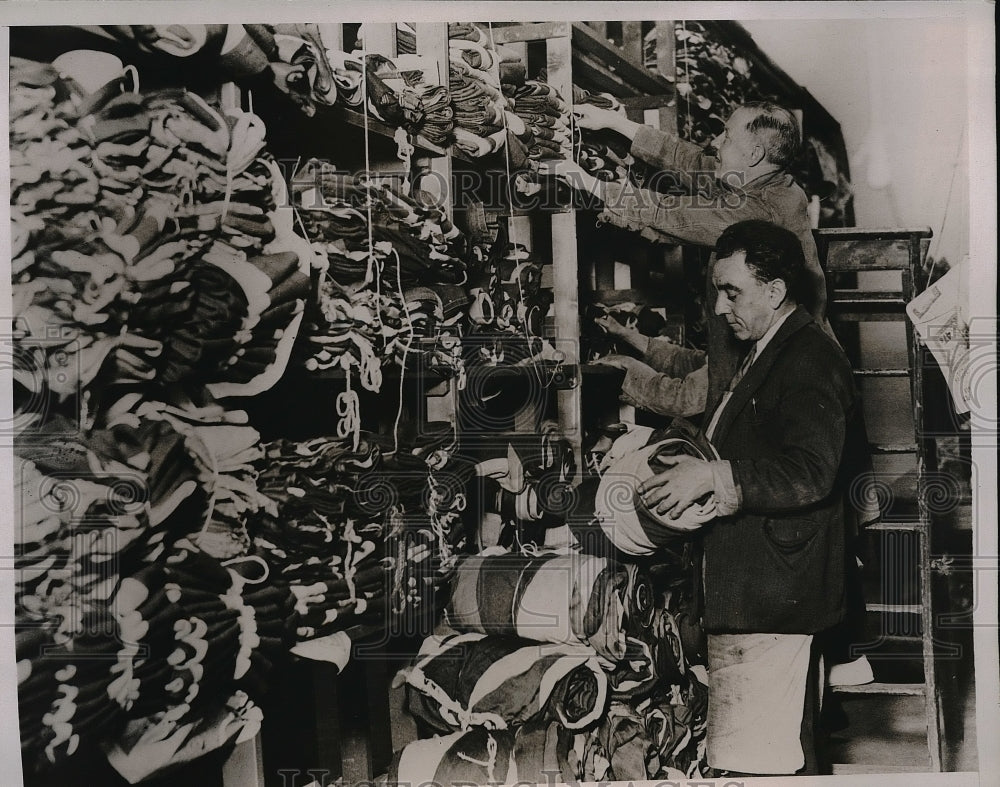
(873, 298)
(849, 768)
(901, 638)
(884, 448)
(895, 689)
(901, 609)
(898, 527)
(883, 372)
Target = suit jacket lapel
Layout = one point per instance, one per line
(758, 373)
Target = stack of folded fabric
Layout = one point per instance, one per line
(92, 506)
(604, 154)
(474, 82)
(364, 313)
(173, 264)
(509, 307)
(545, 117)
(359, 538)
(224, 449)
(176, 637)
(525, 489)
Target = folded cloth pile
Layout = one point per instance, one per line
(363, 314)
(174, 180)
(604, 154)
(291, 56)
(91, 507)
(509, 307)
(175, 637)
(573, 599)
(533, 753)
(357, 537)
(158, 744)
(474, 82)
(545, 117)
(406, 38)
(395, 91)
(464, 680)
(525, 488)
(224, 449)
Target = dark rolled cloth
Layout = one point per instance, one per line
(461, 680)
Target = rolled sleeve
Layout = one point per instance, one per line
(728, 499)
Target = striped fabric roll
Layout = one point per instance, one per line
(625, 519)
(476, 756)
(548, 598)
(463, 680)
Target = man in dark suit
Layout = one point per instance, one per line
(774, 558)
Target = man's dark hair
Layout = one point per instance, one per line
(772, 252)
(777, 129)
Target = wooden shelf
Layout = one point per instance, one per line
(375, 126)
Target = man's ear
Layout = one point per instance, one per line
(757, 155)
(777, 292)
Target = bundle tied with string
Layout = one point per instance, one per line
(627, 522)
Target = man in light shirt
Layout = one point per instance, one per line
(774, 558)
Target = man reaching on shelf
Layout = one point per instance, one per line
(774, 558)
(745, 179)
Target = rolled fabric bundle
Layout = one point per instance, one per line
(463, 680)
(625, 519)
(476, 756)
(549, 598)
(654, 658)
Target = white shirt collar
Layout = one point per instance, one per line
(762, 342)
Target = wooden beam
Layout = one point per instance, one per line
(600, 28)
(633, 73)
(531, 32)
(647, 102)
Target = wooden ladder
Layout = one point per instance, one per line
(878, 258)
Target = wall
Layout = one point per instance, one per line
(899, 89)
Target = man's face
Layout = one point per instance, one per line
(735, 145)
(745, 302)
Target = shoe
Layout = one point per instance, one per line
(851, 673)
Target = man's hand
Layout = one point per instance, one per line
(573, 174)
(614, 328)
(679, 486)
(595, 118)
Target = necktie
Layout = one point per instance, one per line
(747, 362)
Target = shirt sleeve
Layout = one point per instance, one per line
(671, 358)
(671, 218)
(662, 394)
(670, 151)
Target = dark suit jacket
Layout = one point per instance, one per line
(778, 565)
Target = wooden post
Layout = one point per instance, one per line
(380, 38)
(559, 65)
(632, 42)
(666, 67)
(333, 36)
